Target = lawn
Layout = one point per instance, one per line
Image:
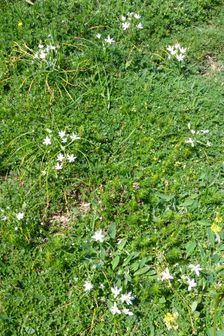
(111, 168)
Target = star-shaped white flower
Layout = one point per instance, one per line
(190, 141)
(191, 283)
(177, 46)
(71, 158)
(115, 291)
(125, 25)
(171, 50)
(60, 157)
(20, 215)
(47, 141)
(139, 26)
(98, 236)
(64, 140)
(137, 16)
(61, 134)
(195, 268)
(182, 50)
(42, 55)
(127, 312)
(180, 57)
(109, 39)
(114, 309)
(74, 137)
(127, 297)
(87, 286)
(165, 275)
(58, 166)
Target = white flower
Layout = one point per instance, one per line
(195, 268)
(217, 238)
(64, 140)
(61, 134)
(115, 291)
(190, 141)
(98, 236)
(20, 215)
(98, 36)
(87, 286)
(127, 312)
(47, 141)
(109, 39)
(177, 45)
(180, 57)
(165, 275)
(123, 18)
(191, 283)
(42, 55)
(40, 46)
(58, 166)
(171, 50)
(114, 309)
(50, 47)
(182, 50)
(60, 157)
(137, 16)
(127, 297)
(139, 26)
(204, 131)
(125, 25)
(74, 137)
(192, 131)
(71, 158)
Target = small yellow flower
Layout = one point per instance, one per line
(215, 228)
(20, 24)
(170, 321)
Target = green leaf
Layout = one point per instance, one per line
(122, 244)
(194, 306)
(190, 247)
(115, 262)
(142, 270)
(112, 230)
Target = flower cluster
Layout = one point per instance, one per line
(108, 39)
(192, 140)
(129, 20)
(64, 138)
(119, 301)
(176, 52)
(45, 54)
(165, 275)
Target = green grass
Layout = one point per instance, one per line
(157, 199)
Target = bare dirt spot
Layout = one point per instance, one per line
(61, 220)
(211, 65)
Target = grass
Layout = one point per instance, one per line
(147, 173)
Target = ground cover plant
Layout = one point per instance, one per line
(111, 168)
